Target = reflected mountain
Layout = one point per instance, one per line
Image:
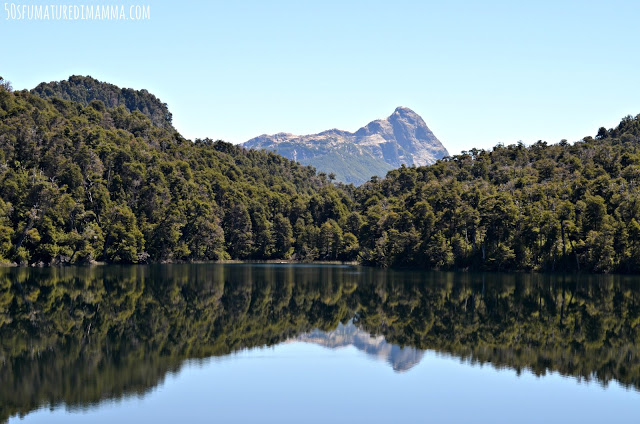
(79, 336)
(400, 358)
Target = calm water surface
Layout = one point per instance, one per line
(295, 343)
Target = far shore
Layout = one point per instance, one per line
(298, 262)
(228, 261)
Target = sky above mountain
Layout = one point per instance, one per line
(479, 73)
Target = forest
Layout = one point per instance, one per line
(92, 173)
(79, 335)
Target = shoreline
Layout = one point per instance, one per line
(299, 262)
(226, 261)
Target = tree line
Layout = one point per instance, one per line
(81, 182)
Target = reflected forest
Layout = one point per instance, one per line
(77, 336)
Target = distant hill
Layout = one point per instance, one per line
(86, 89)
(381, 145)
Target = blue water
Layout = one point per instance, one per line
(289, 344)
(300, 382)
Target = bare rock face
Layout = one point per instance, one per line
(402, 138)
(381, 145)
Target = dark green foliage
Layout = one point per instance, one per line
(83, 181)
(100, 95)
(93, 183)
(543, 207)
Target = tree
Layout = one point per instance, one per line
(283, 236)
(5, 85)
(238, 231)
(438, 252)
(602, 133)
(330, 240)
(124, 242)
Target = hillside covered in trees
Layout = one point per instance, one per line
(544, 207)
(81, 181)
(86, 89)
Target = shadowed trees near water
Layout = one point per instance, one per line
(81, 335)
(90, 172)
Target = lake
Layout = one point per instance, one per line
(310, 343)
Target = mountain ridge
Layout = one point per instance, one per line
(354, 157)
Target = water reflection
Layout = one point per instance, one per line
(400, 358)
(81, 335)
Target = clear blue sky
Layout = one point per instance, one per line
(479, 73)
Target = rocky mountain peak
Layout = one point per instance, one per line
(405, 117)
(381, 145)
(405, 111)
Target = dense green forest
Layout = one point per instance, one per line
(82, 181)
(86, 89)
(544, 207)
(85, 334)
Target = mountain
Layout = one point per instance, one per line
(381, 145)
(84, 90)
(400, 358)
